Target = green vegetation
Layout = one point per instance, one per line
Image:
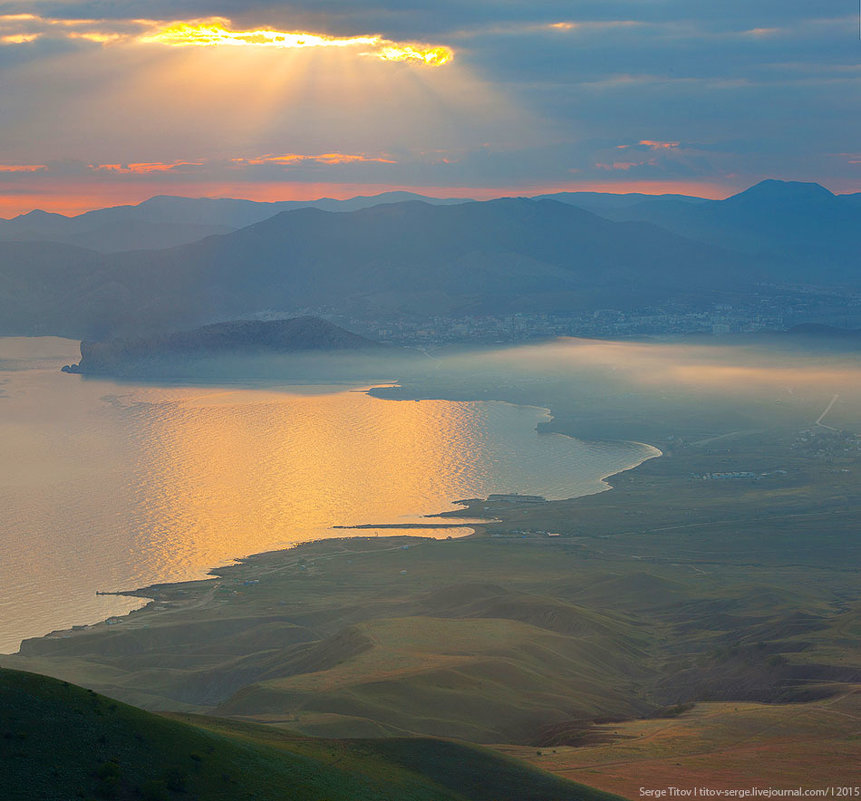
(60, 741)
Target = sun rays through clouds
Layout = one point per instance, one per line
(17, 29)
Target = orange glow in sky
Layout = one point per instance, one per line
(217, 31)
(322, 158)
(23, 167)
(144, 168)
(77, 198)
(70, 198)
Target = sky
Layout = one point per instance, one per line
(105, 102)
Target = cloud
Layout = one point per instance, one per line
(538, 94)
(421, 18)
(650, 144)
(18, 38)
(217, 31)
(145, 168)
(22, 168)
(623, 165)
(761, 32)
(210, 32)
(653, 145)
(289, 159)
(205, 168)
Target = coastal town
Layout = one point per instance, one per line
(772, 309)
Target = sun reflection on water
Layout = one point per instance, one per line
(107, 486)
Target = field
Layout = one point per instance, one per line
(719, 746)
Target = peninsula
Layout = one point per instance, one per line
(242, 338)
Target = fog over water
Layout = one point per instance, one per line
(108, 486)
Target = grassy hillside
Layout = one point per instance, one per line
(718, 745)
(485, 679)
(60, 741)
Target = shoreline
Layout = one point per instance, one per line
(551, 418)
(451, 514)
(542, 427)
(155, 594)
(664, 595)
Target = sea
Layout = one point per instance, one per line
(108, 486)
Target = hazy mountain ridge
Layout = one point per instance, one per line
(412, 258)
(48, 287)
(798, 221)
(805, 225)
(597, 202)
(166, 221)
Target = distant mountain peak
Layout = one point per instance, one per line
(775, 190)
(39, 214)
(156, 199)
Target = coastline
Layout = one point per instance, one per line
(632, 578)
(163, 597)
(547, 427)
(107, 588)
(397, 391)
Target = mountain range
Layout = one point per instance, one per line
(167, 220)
(164, 221)
(812, 231)
(404, 258)
(414, 258)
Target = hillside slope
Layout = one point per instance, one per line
(60, 741)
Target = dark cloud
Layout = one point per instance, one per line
(420, 18)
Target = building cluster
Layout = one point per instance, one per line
(822, 443)
(736, 475)
(771, 309)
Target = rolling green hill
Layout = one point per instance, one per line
(59, 741)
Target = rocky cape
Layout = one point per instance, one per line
(219, 341)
